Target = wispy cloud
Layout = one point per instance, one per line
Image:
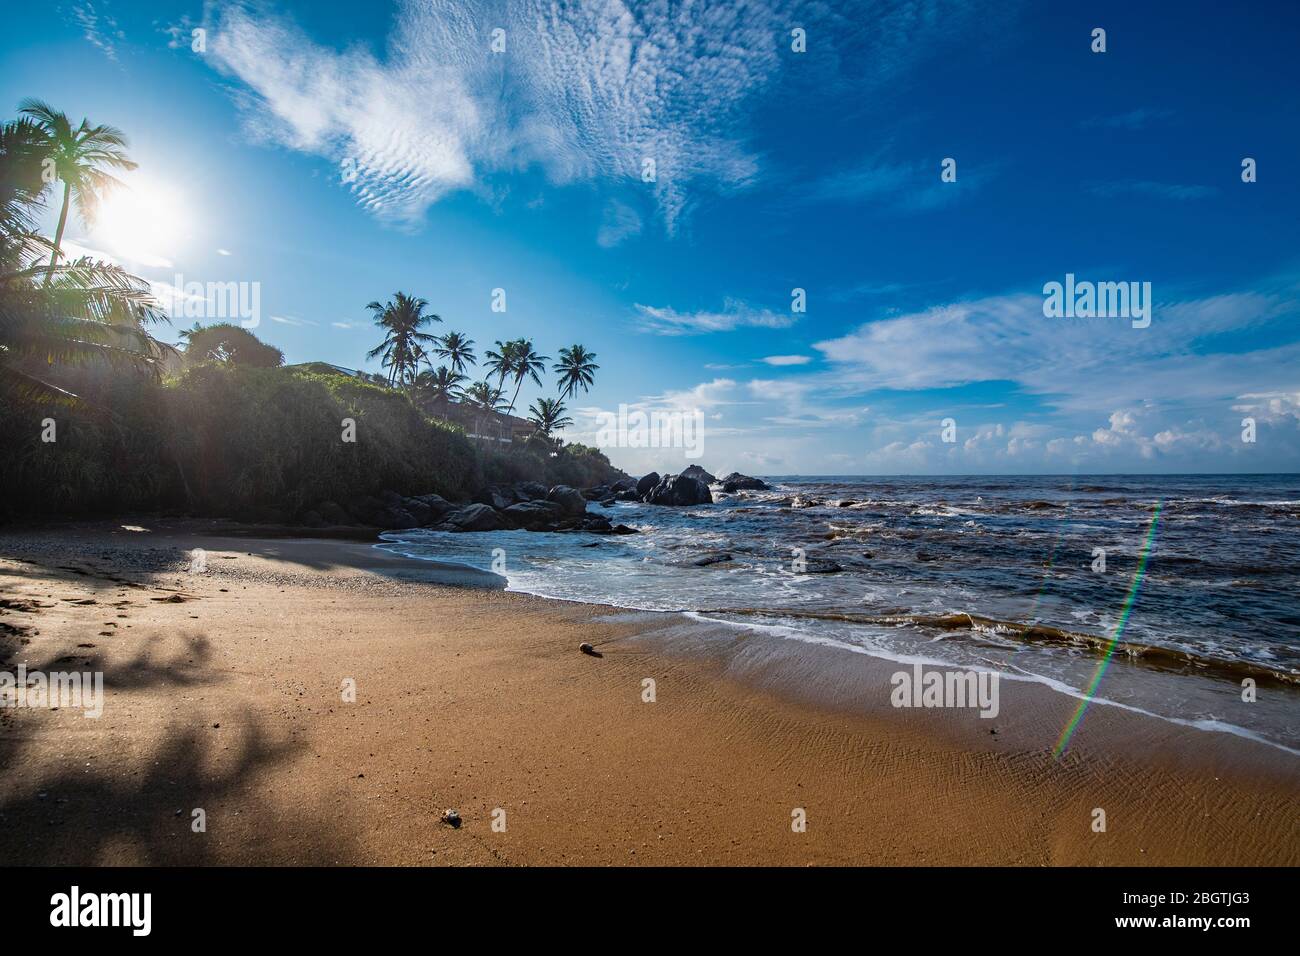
(908, 187)
(733, 315)
(292, 320)
(1133, 119)
(780, 360)
(619, 223)
(99, 29)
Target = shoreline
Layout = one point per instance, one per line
(477, 698)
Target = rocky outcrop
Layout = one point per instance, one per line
(681, 491)
(698, 473)
(737, 482)
(646, 485)
(571, 501)
(533, 515)
(474, 517)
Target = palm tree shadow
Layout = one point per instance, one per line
(116, 814)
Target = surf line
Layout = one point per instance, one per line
(1129, 601)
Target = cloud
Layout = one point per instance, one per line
(1142, 187)
(582, 90)
(100, 30)
(619, 222)
(787, 359)
(905, 187)
(292, 320)
(734, 315)
(223, 252)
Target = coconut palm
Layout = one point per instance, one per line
(526, 364)
(404, 345)
(82, 158)
(456, 348)
(22, 147)
(548, 415)
(575, 368)
(485, 399)
(500, 361)
(440, 387)
(85, 313)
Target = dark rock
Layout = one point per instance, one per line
(390, 519)
(623, 529)
(366, 508)
(496, 497)
(646, 484)
(801, 502)
(608, 502)
(530, 490)
(624, 484)
(475, 517)
(569, 499)
(716, 558)
(390, 499)
(532, 514)
(589, 650)
(436, 505)
(627, 496)
(680, 491)
(820, 566)
(595, 494)
(451, 818)
(698, 473)
(738, 482)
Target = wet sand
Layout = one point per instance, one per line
(225, 692)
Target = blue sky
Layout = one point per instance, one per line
(774, 170)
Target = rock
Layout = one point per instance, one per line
(627, 496)
(451, 818)
(624, 484)
(366, 508)
(698, 473)
(608, 502)
(530, 490)
(390, 519)
(718, 557)
(532, 514)
(589, 650)
(496, 496)
(623, 529)
(313, 519)
(595, 494)
(738, 482)
(475, 517)
(390, 499)
(436, 505)
(646, 484)
(680, 491)
(820, 566)
(595, 523)
(569, 499)
(801, 502)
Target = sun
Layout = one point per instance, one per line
(142, 222)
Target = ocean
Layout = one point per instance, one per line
(1027, 576)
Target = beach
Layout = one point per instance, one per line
(226, 690)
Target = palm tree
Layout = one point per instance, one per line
(456, 348)
(22, 147)
(403, 346)
(501, 361)
(484, 398)
(441, 387)
(575, 366)
(85, 313)
(548, 414)
(82, 158)
(527, 363)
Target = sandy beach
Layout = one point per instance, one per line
(225, 692)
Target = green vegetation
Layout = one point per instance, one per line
(99, 417)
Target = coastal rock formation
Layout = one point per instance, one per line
(695, 471)
(738, 482)
(475, 517)
(571, 501)
(533, 514)
(680, 490)
(646, 485)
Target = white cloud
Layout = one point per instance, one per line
(223, 252)
(734, 315)
(292, 320)
(619, 223)
(781, 360)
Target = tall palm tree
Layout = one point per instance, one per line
(575, 367)
(548, 414)
(485, 399)
(439, 386)
(404, 344)
(82, 158)
(527, 364)
(456, 348)
(500, 361)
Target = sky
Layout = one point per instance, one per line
(821, 230)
